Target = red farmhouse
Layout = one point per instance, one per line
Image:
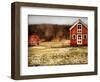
(78, 34)
(33, 40)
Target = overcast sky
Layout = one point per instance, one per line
(34, 19)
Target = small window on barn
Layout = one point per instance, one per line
(79, 41)
(79, 28)
(79, 37)
(84, 36)
(73, 36)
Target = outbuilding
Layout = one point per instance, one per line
(78, 34)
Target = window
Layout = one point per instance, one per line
(73, 36)
(79, 41)
(79, 37)
(79, 28)
(85, 36)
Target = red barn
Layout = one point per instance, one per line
(33, 40)
(79, 34)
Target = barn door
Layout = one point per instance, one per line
(79, 39)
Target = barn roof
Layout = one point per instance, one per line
(77, 23)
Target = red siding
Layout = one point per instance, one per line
(84, 42)
(84, 30)
(74, 31)
(73, 42)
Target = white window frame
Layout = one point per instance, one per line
(79, 39)
(84, 35)
(78, 30)
(73, 36)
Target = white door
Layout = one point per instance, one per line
(79, 39)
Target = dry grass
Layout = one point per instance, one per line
(56, 44)
(44, 56)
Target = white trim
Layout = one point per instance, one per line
(79, 29)
(83, 36)
(79, 40)
(73, 35)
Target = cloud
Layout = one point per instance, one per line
(39, 19)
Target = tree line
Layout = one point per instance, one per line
(49, 32)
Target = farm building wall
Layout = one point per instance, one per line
(73, 31)
(84, 32)
(73, 42)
